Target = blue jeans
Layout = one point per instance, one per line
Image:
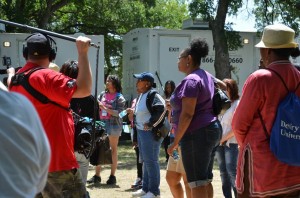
(198, 152)
(149, 153)
(227, 160)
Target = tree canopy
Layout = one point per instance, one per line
(111, 18)
(114, 18)
(266, 12)
(277, 11)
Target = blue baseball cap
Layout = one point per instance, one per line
(145, 76)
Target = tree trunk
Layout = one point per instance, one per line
(221, 64)
(46, 14)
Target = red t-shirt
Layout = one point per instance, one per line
(57, 122)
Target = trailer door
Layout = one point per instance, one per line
(169, 48)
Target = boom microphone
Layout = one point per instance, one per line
(161, 85)
(54, 34)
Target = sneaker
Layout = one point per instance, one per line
(137, 184)
(140, 186)
(95, 179)
(111, 180)
(150, 195)
(138, 193)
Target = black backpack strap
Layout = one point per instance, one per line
(23, 80)
(283, 80)
(25, 83)
(149, 99)
(287, 89)
(259, 114)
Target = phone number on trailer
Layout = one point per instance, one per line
(231, 60)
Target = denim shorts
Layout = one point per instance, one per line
(112, 129)
(198, 151)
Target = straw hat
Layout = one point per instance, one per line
(277, 36)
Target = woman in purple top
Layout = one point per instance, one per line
(196, 127)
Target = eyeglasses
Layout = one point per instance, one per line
(180, 57)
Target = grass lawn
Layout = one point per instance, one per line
(126, 175)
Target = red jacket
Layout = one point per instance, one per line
(263, 91)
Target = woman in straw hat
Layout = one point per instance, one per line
(259, 173)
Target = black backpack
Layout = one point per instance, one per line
(149, 99)
(220, 101)
(162, 127)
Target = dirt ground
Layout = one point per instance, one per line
(126, 175)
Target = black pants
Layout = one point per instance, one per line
(139, 165)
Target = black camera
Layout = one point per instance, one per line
(84, 127)
(6, 61)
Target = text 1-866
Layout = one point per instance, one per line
(231, 60)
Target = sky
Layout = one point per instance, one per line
(243, 21)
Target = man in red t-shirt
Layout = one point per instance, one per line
(63, 179)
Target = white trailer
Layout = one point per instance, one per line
(12, 47)
(156, 50)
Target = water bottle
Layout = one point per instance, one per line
(122, 113)
(175, 155)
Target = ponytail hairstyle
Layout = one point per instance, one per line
(70, 69)
(198, 49)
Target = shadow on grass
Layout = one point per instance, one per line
(105, 186)
(127, 158)
(102, 186)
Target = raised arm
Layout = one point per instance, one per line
(84, 79)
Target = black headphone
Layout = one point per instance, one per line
(50, 43)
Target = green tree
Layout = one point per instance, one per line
(111, 18)
(97, 17)
(31, 12)
(168, 14)
(215, 13)
(284, 11)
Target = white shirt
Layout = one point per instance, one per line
(226, 120)
(24, 148)
(142, 115)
